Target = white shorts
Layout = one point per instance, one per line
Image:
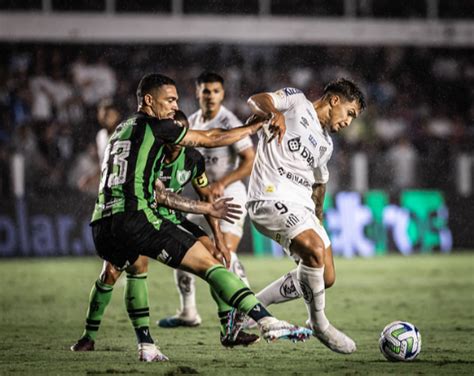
(239, 193)
(283, 221)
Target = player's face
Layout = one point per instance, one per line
(342, 112)
(210, 95)
(164, 102)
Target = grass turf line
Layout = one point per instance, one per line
(43, 304)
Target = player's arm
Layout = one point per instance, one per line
(263, 106)
(222, 208)
(319, 191)
(202, 188)
(243, 170)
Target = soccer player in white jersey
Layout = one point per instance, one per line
(286, 194)
(225, 168)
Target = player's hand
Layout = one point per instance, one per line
(224, 252)
(216, 189)
(277, 126)
(223, 209)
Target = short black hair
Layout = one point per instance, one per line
(150, 82)
(182, 118)
(206, 77)
(347, 89)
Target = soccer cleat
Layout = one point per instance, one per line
(336, 340)
(273, 329)
(179, 320)
(149, 352)
(242, 339)
(83, 344)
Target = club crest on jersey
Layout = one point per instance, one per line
(183, 176)
(294, 144)
(322, 150)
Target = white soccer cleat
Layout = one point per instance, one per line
(335, 340)
(272, 329)
(149, 352)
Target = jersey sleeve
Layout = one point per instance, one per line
(244, 143)
(286, 98)
(199, 176)
(321, 174)
(167, 130)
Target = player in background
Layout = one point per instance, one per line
(109, 116)
(125, 223)
(181, 166)
(287, 188)
(226, 167)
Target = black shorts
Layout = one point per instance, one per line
(193, 228)
(122, 237)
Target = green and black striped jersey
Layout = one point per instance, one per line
(188, 166)
(133, 153)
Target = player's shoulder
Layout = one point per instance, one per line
(227, 118)
(193, 117)
(193, 155)
(289, 92)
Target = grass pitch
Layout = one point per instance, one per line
(43, 304)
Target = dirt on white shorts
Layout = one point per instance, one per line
(238, 191)
(283, 221)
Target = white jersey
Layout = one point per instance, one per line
(222, 160)
(288, 171)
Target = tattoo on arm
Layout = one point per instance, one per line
(177, 202)
(319, 190)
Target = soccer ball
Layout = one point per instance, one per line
(400, 341)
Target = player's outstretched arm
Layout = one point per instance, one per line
(262, 105)
(319, 190)
(217, 137)
(222, 209)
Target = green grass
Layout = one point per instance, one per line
(43, 303)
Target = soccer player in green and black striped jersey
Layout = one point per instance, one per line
(126, 225)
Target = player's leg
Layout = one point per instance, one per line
(309, 246)
(233, 232)
(287, 288)
(235, 293)
(99, 298)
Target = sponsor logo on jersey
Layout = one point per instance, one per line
(294, 178)
(312, 140)
(306, 154)
(183, 176)
(294, 144)
(304, 122)
(291, 91)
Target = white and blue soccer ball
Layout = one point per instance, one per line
(400, 341)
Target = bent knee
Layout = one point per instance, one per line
(312, 255)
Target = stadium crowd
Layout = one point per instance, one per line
(419, 118)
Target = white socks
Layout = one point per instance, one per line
(282, 290)
(237, 268)
(312, 284)
(185, 283)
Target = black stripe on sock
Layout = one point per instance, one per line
(242, 297)
(223, 314)
(92, 328)
(101, 289)
(138, 315)
(213, 270)
(136, 277)
(138, 310)
(236, 295)
(93, 322)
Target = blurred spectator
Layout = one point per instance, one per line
(402, 158)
